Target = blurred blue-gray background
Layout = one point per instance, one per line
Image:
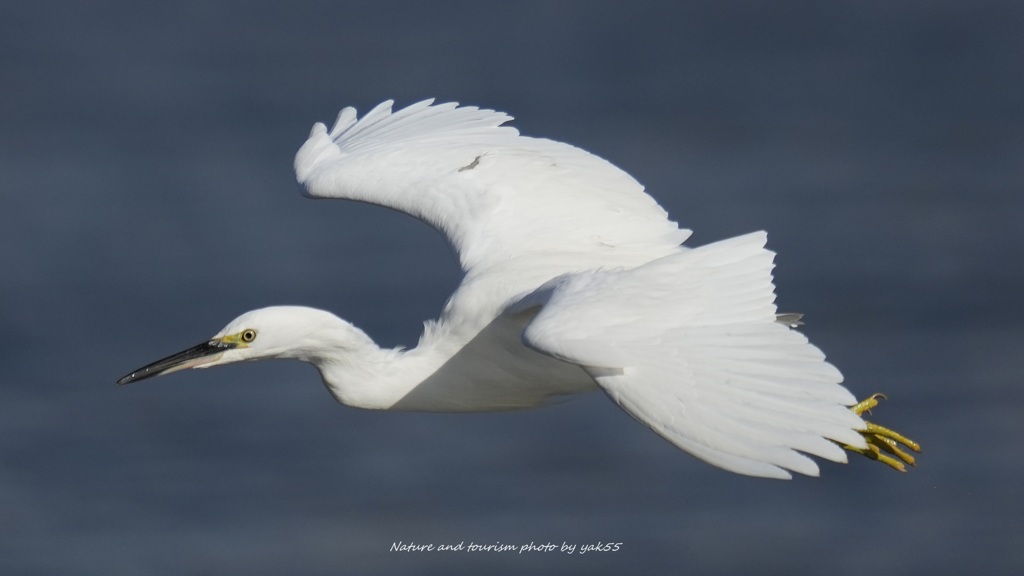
(147, 197)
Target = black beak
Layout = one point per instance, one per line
(185, 359)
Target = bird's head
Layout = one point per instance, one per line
(277, 332)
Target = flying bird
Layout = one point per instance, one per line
(574, 280)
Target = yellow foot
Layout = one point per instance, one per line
(883, 443)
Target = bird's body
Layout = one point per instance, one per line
(574, 280)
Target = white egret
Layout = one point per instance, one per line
(574, 280)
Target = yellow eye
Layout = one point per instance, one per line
(248, 335)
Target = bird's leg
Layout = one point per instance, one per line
(883, 443)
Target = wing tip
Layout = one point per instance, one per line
(449, 114)
(421, 121)
(346, 118)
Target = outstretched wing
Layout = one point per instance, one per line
(495, 194)
(690, 346)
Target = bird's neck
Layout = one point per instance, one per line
(364, 375)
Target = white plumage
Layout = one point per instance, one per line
(495, 194)
(575, 280)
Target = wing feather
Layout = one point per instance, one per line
(690, 345)
(496, 195)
